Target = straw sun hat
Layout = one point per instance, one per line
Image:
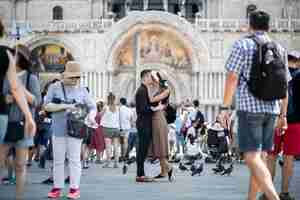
(72, 69)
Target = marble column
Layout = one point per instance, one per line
(182, 8)
(136, 57)
(204, 5)
(101, 8)
(165, 2)
(26, 10)
(110, 81)
(145, 4)
(104, 84)
(194, 86)
(127, 6)
(13, 10)
(91, 9)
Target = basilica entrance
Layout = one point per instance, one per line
(153, 45)
(156, 48)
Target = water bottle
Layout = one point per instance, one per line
(269, 57)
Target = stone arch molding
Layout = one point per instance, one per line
(42, 40)
(135, 21)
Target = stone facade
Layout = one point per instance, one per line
(112, 52)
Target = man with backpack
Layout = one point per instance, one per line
(257, 71)
(289, 141)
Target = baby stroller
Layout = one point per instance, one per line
(218, 143)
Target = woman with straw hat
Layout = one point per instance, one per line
(60, 99)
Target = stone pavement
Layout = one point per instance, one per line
(110, 184)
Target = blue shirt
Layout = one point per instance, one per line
(240, 62)
(79, 94)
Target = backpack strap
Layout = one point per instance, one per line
(259, 45)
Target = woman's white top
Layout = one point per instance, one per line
(110, 119)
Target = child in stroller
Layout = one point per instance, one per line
(218, 141)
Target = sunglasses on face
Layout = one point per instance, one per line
(74, 78)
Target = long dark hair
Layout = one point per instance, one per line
(162, 82)
(2, 30)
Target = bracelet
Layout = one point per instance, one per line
(282, 116)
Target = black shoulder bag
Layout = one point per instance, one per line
(15, 129)
(75, 119)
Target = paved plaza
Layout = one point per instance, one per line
(110, 184)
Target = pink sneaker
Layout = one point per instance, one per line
(54, 193)
(74, 194)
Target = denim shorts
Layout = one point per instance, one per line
(111, 132)
(255, 131)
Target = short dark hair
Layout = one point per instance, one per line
(259, 20)
(292, 58)
(145, 72)
(196, 103)
(123, 101)
(1, 29)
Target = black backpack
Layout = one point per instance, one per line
(170, 114)
(268, 75)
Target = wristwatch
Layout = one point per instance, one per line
(221, 108)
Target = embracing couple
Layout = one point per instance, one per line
(152, 125)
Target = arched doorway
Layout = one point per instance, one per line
(50, 56)
(157, 47)
(155, 40)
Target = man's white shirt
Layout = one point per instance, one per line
(126, 116)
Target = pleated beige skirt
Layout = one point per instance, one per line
(159, 146)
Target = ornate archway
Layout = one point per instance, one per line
(50, 54)
(159, 41)
(44, 40)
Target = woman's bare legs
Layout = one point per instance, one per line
(4, 148)
(108, 148)
(20, 164)
(164, 166)
(116, 147)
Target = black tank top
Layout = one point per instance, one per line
(4, 63)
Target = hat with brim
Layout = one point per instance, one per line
(72, 69)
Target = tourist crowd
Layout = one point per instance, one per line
(65, 126)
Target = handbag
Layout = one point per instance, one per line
(75, 119)
(15, 129)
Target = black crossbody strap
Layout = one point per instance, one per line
(64, 91)
(28, 80)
